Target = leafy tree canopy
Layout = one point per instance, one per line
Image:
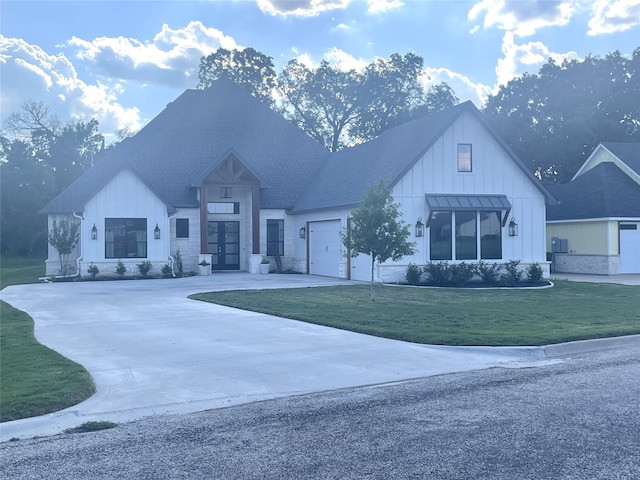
(376, 230)
(554, 120)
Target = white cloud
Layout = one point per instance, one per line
(171, 59)
(464, 88)
(30, 73)
(300, 8)
(528, 57)
(334, 56)
(381, 6)
(614, 16)
(524, 18)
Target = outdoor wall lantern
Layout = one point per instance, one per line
(156, 232)
(419, 228)
(303, 232)
(513, 228)
(94, 232)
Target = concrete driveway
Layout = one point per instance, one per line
(152, 351)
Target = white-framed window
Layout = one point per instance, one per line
(464, 157)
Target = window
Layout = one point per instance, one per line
(464, 244)
(275, 237)
(440, 236)
(466, 238)
(490, 235)
(182, 228)
(464, 157)
(226, 192)
(125, 238)
(223, 207)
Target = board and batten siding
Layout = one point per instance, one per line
(493, 172)
(126, 196)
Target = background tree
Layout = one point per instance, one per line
(375, 229)
(556, 118)
(249, 68)
(42, 159)
(64, 238)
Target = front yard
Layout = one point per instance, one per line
(450, 316)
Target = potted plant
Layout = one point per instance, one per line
(265, 266)
(204, 267)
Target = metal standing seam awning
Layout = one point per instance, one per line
(495, 203)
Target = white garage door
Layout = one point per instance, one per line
(629, 247)
(325, 248)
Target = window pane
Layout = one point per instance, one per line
(466, 239)
(490, 235)
(275, 237)
(464, 157)
(182, 228)
(125, 237)
(440, 236)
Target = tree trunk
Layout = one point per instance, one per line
(373, 288)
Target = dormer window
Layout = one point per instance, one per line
(464, 157)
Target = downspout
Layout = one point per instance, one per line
(79, 259)
(169, 244)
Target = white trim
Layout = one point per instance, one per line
(602, 219)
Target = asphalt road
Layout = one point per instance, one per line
(578, 419)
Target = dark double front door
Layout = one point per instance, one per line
(223, 243)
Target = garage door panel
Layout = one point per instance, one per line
(630, 247)
(325, 248)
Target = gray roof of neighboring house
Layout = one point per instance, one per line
(345, 176)
(197, 130)
(629, 153)
(602, 192)
(194, 132)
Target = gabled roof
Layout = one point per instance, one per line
(345, 176)
(628, 153)
(604, 191)
(190, 135)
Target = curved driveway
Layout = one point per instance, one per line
(152, 351)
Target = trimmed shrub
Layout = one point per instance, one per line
(166, 270)
(489, 272)
(534, 273)
(121, 269)
(438, 273)
(413, 274)
(93, 270)
(512, 274)
(462, 273)
(144, 267)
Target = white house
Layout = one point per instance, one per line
(595, 226)
(219, 176)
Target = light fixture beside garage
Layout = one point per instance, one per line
(303, 232)
(419, 228)
(94, 232)
(156, 232)
(513, 228)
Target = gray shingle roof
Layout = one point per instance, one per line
(345, 176)
(629, 153)
(604, 191)
(172, 153)
(191, 134)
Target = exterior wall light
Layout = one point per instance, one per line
(156, 232)
(94, 232)
(419, 228)
(513, 228)
(303, 232)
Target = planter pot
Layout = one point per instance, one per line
(204, 270)
(264, 268)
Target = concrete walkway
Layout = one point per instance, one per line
(152, 351)
(622, 279)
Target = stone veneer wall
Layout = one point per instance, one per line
(586, 264)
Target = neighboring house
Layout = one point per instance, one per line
(219, 176)
(598, 214)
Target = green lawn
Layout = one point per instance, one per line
(34, 380)
(568, 311)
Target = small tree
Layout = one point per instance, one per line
(64, 237)
(376, 231)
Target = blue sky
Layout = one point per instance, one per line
(123, 61)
